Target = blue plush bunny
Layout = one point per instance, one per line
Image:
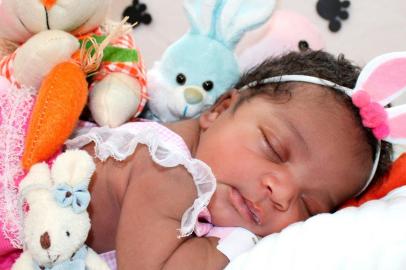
(199, 67)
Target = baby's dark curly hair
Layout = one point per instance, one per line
(317, 64)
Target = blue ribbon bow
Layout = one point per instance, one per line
(78, 197)
(77, 262)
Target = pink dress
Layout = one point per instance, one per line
(16, 104)
(166, 148)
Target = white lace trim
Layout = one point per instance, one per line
(121, 142)
(15, 109)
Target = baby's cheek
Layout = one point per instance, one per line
(221, 211)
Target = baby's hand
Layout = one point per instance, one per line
(233, 240)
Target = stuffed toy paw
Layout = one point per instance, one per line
(199, 67)
(57, 223)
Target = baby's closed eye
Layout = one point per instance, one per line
(272, 148)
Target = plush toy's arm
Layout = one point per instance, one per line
(24, 262)
(369, 237)
(118, 92)
(94, 262)
(35, 58)
(115, 99)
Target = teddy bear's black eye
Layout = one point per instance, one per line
(303, 45)
(181, 79)
(67, 233)
(208, 85)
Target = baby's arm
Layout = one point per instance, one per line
(150, 218)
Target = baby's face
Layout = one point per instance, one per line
(277, 163)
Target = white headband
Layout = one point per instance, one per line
(381, 81)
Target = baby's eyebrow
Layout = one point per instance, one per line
(296, 133)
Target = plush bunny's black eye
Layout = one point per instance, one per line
(208, 85)
(181, 79)
(303, 45)
(67, 233)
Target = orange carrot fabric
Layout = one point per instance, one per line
(60, 101)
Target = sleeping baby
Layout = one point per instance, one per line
(275, 150)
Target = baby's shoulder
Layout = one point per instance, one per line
(121, 142)
(152, 159)
(170, 190)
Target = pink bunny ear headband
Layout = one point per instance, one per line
(381, 81)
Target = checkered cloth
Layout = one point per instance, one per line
(131, 68)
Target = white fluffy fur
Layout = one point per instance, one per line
(45, 215)
(73, 167)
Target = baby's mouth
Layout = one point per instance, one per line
(254, 212)
(245, 207)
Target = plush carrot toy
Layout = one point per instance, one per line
(117, 91)
(63, 94)
(60, 101)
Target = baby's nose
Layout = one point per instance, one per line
(48, 3)
(280, 191)
(45, 240)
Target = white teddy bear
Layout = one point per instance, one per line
(57, 223)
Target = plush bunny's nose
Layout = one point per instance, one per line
(193, 95)
(45, 240)
(48, 3)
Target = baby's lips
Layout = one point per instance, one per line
(243, 206)
(255, 210)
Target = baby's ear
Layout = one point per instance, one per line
(222, 104)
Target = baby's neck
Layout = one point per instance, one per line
(189, 130)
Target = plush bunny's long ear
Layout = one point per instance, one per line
(397, 124)
(227, 20)
(73, 167)
(36, 183)
(200, 14)
(380, 82)
(240, 16)
(384, 77)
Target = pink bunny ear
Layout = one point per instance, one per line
(397, 124)
(384, 78)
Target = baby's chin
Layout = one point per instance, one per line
(224, 215)
(232, 221)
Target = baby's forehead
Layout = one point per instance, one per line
(309, 91)
(321, 116)
(307, 95)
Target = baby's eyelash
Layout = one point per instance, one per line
(270, 146)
